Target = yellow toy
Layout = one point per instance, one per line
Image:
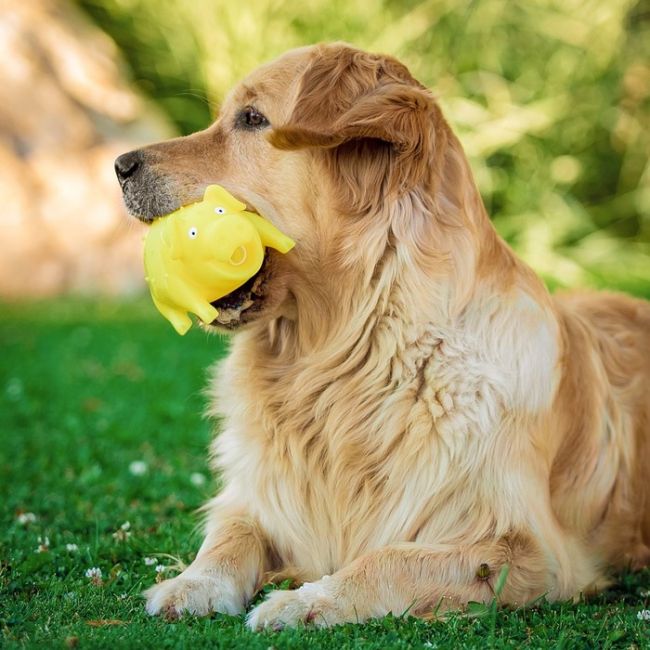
(202, 252)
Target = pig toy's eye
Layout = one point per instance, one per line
(220, 210)
(193, 232)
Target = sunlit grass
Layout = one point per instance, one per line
(100, 421)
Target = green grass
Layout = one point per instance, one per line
(88, 388)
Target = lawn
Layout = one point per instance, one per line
(100, 418)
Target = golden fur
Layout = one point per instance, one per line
(408, 402)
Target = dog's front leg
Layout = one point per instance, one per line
(420, 580)
(222, 578)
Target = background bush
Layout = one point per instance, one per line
(551, 100)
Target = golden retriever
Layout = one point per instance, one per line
(405, 409)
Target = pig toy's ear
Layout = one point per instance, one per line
(216, 194)
(271, 237)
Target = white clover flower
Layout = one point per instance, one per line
(95, 576)
(138, 467)
(25, 518)
(43, 544)
(149, 561)
(14, 389)
(644, 615)
(197, 479)
(122, 533)
(71, 548)
(160, 572)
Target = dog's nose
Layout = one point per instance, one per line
(127, 164)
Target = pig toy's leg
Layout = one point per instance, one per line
(178, 318)
(191, 300)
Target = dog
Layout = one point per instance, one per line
(405, 409)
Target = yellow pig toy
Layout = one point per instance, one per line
(202, 252)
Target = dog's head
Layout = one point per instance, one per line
(321, 142)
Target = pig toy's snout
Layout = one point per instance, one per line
(235, 240)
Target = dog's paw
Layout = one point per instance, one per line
(312, 604)
(197, 594)
(638, 557)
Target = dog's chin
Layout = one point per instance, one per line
(243, 305)
(251, 302)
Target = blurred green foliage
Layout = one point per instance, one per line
(551, 99)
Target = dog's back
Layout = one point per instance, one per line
(599, 480)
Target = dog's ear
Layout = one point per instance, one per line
(377, 122)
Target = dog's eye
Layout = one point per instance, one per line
(193, 232)
(220, 210)
(250, 119)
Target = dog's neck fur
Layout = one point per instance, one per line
(436, 235)
(437, 273)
